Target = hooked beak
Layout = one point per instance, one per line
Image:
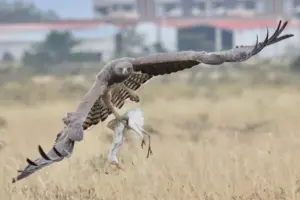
(125, 71)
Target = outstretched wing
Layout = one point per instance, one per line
(99, 111)
(62, 148)
(136, 80)
(166, 63)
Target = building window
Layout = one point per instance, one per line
(249, 5)
(218, 5)
(231, 4)
(115, 7)
(127, 7)
(103, 10)
(169, 7)
(200, 6)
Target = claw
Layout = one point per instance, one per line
(149, 151)
(143, 143)
(149, 144)
(122, 119)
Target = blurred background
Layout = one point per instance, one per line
(235, 126)
(39, 38)
(70, 37)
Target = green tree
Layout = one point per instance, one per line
(129, 43)
(295, 64)
(58, 45)
(55, 49)
(8, 57)
(159, 48)
(20, 11)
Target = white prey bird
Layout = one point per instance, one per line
(135, 122)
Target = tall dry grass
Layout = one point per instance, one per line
(230, 141)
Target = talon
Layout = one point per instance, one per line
(143, 143)
(135, 98)
(149, 152)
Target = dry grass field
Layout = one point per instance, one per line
(230, 141)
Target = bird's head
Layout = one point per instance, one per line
(123, 69)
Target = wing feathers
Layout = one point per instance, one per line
(63, 147)
(43, 154)
(166, 63)
(135, 81)
(100, 112)
(243, 53)
(164, 67)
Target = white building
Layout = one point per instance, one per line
(175, 34)
(187, 8)
(219, 34)
(94, 35)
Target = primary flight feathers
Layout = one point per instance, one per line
(62, 148)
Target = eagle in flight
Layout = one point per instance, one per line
(122, 77)
(119, 79)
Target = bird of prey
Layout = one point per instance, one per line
(122, 77)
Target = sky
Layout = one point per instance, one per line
(67, 8)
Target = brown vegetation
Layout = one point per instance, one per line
(218, 140)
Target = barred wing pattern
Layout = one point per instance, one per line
(166, 63)
(62, 148)
(100, 112)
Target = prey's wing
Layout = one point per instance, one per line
(135, 121)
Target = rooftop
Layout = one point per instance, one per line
(228, 23)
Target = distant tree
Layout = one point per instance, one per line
(7, 57)
(295, 65)
(129, 43)
(20, 11)
(55, 49)
(85, 57)
(26, 58)
(58, 45)
(159, 47)
(38, 62)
